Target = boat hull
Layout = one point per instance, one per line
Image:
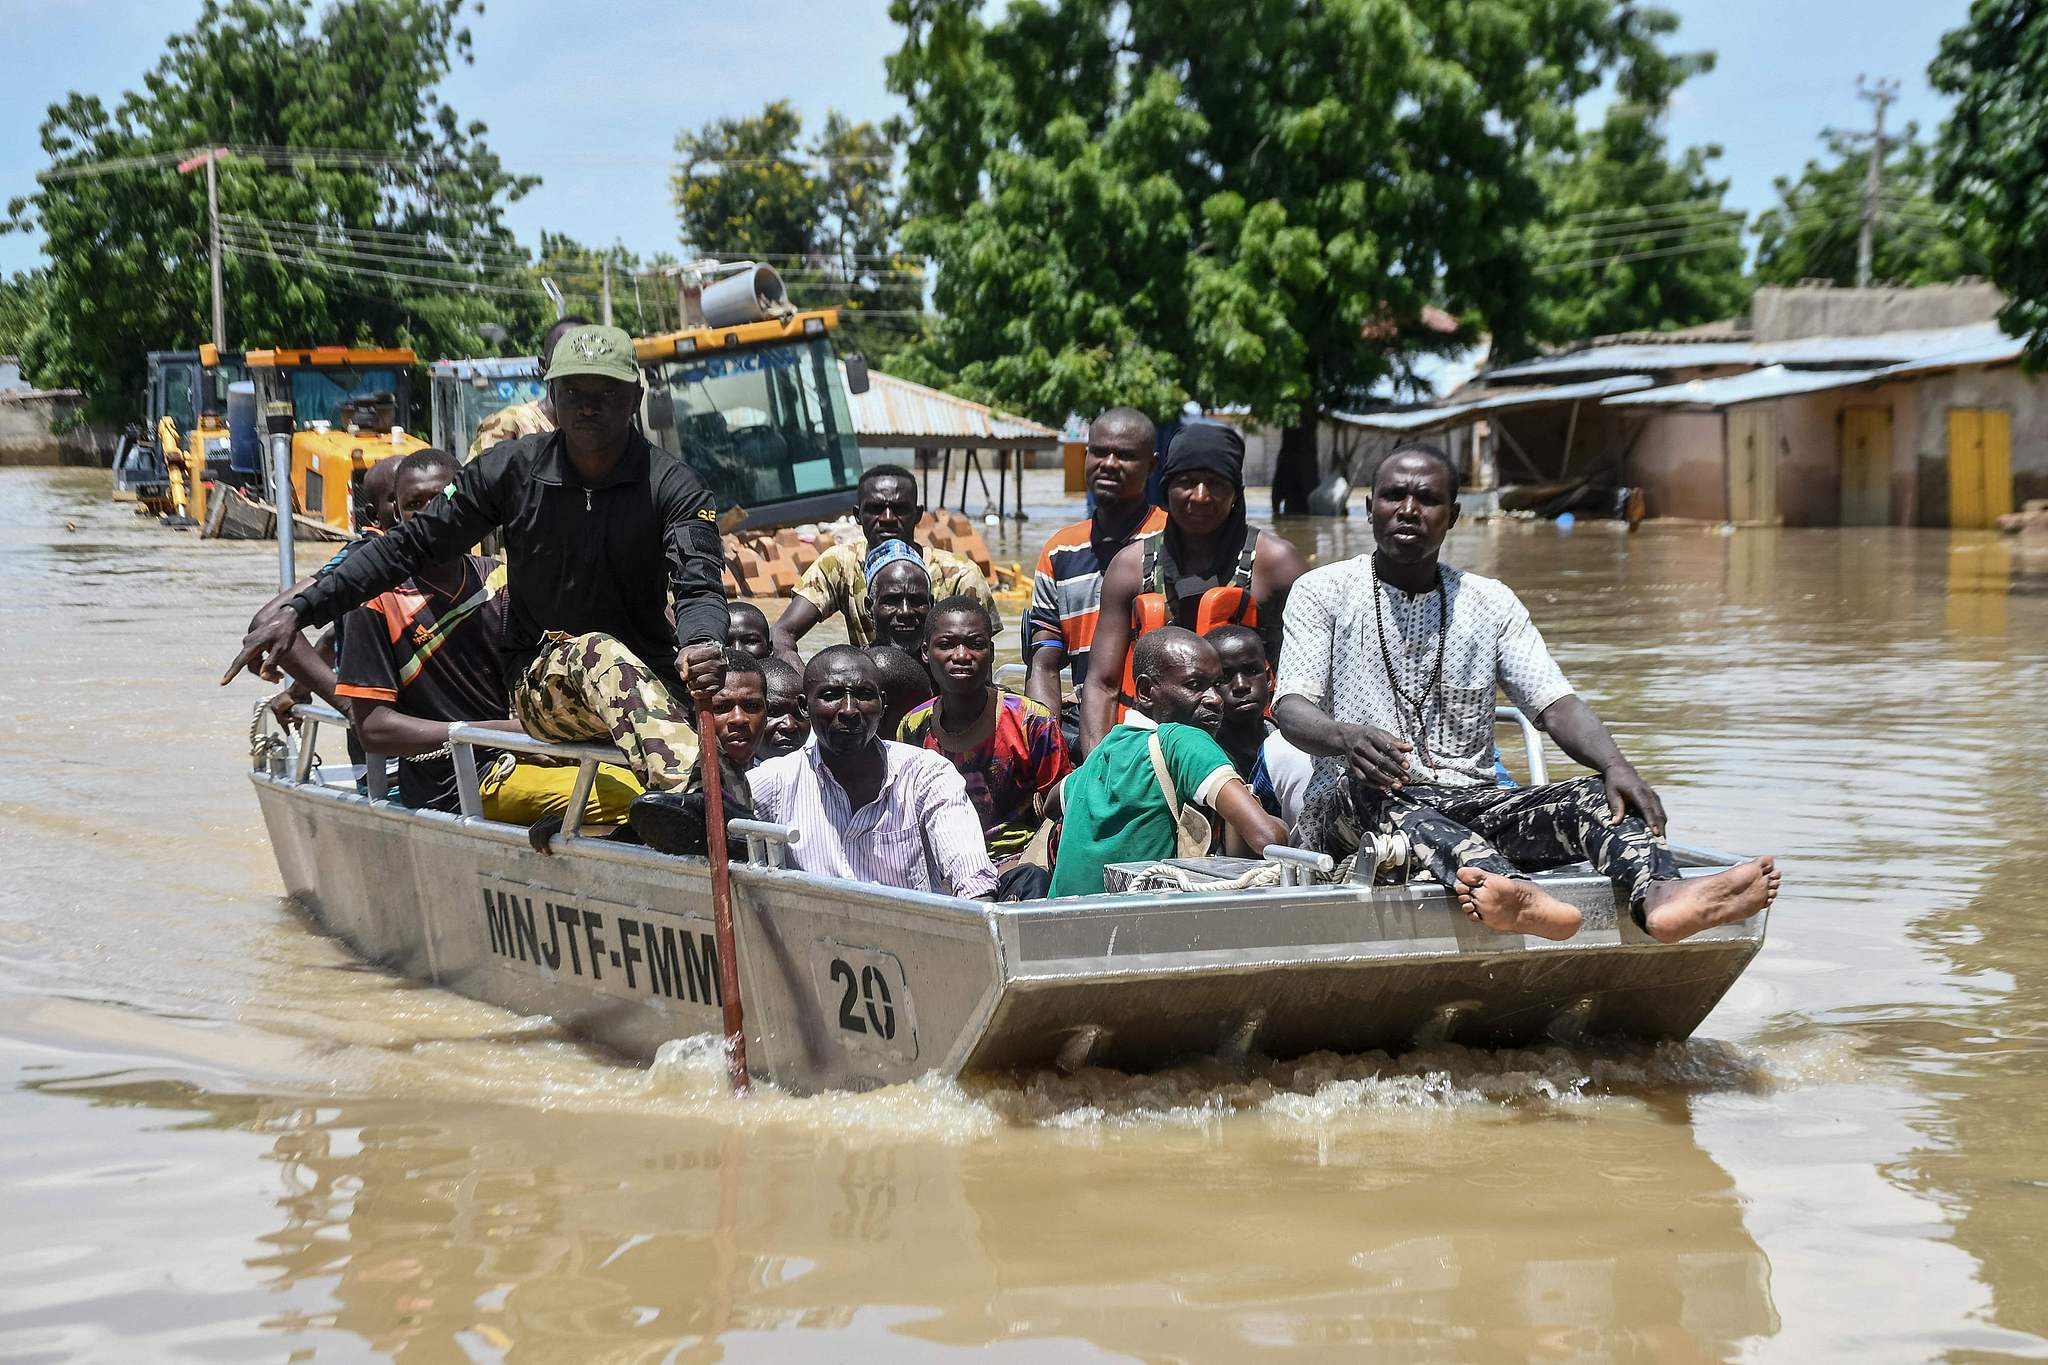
(850, 987)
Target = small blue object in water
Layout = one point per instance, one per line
(1565, 521)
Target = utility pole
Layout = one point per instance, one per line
(1880, 93)
(607, 288)
(209, 158)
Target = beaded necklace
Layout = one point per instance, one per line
(1404, 705)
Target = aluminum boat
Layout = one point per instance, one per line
(851, 986)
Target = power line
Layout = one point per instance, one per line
(1641, 208)
(414, 258)
(451, 286)
(1730, 241)
(1580, 246)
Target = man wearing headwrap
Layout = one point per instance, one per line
(899, 596)
(1206, 545)
(888, 506)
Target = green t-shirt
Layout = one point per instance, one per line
(1115, 812)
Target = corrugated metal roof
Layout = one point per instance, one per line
(1776, 381)
(1423, 419)
(2003, 350)
(1773, 381)
(1881, 348)
(896, 407)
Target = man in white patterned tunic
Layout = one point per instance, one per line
(1388, 676)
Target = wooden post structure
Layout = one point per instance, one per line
(721, 902)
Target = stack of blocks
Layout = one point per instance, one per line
(771, 563)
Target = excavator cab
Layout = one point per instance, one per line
(752, 395)
(347, 408)
(184, 432)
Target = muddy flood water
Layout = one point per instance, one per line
(222, 1138)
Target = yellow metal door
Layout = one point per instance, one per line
(1979, 466)
(1753, 464)
(1866, 466)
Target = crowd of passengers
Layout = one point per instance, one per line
(1225, 697)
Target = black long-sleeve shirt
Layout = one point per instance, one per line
(581, 557)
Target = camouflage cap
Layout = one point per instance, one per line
(606, 352)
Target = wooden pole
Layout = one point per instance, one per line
(721, 902)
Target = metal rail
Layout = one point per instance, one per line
(1298, 866)
(1532, 741)
(768, 844)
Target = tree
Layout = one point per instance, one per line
(1992, 159)
(23, 297)
(1811, 232)
(1254, 203)
(643, 296)
(826, 215)
(357, 207)
(1631, 240)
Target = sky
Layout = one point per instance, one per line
(593, 106)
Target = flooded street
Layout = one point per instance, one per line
(223, 1138)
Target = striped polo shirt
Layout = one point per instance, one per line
(1066, 590)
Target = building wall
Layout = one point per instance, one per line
(1785, 313)
(26, 417)
(2006, 387)
(1679, 460)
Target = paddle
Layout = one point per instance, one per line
(721, 900)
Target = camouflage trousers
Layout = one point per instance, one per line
(1509, 830)
(581, 688)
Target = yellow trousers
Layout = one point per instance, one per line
(521, 793)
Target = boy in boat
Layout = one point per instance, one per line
(870, 810)
(1206, 568)
(1066, 589)
(1007, 748)
(674, 821)
(784, 727)
(428, 655)
(1389, 674)
(746, 630)
(887, 504)
(1276, 771)
(1116, 805)
(613, 557)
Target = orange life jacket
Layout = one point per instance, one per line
(1227, 604)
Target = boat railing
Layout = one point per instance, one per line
(768, 844)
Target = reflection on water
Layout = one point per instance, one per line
(223, 1138)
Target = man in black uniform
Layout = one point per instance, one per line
(603, 533)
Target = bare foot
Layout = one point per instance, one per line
(1680, 909)
(1514, 905)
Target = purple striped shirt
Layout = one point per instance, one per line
(921, 833)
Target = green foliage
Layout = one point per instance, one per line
(396, 240)
(1992, 159)
(643, 298)
(22, 301)
(1811, 233)
(1251, 203)
(826, 215)
(1631, 240)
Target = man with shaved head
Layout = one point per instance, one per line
(1066, 590)
(870, 810)
(1125, 804)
